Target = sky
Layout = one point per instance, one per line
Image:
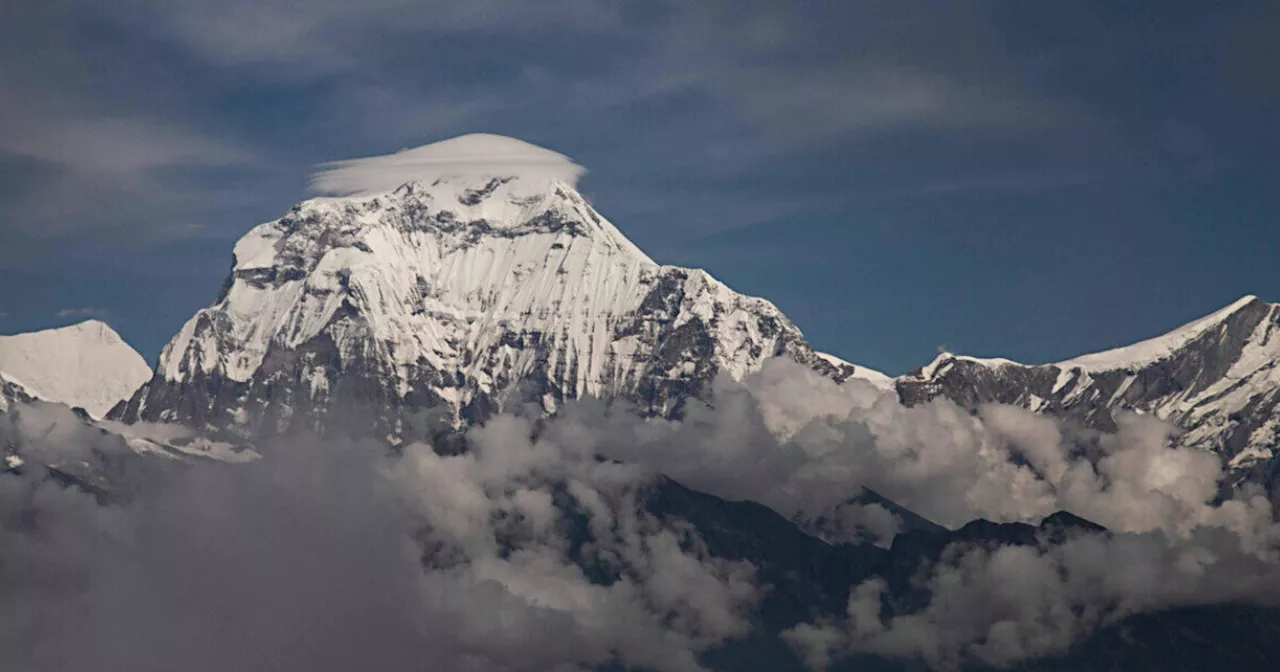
(1029, 180)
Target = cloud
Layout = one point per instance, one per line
(319, 40)
(330, 555)
(94, 175)
(872, 99)
(805, 446)
(85, 313)
(802, 444)
(531, 550)
(477, 155)
(1000, 605)
(121, 146)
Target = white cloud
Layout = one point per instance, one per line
(802, 444)
(1006, 604)
(473, 155)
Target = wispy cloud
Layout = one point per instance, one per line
(321, 39)
(834, 103)
(120, 146)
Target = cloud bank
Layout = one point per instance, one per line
(533, 550)
(335, 556)
(805, 446)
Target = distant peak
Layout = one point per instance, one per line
(84, 365)
(944, 357)
(89, 327)
(1163, 346)
(472, 156)
(1241, 302)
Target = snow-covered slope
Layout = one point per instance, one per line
(1217, 378)
(438, 302)
(86, 365)
(1161, 347)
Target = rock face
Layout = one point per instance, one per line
(12, 393)
(1218, 379)
(85, 365)
(442, 301)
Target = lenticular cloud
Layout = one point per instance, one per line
(475, 155)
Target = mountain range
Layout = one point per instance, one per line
(419, 311)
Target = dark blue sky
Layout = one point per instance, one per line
(1031, 180)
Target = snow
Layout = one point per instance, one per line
(1208, 406)
(86, 365)
(879, 380)
(443, 270)
(1065, 376)
(477, 156)
(944, 360)
(1155, 349)
(1036, 403)
(544, 281)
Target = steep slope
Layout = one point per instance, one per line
(85, 365)
(1217, 378)
(12, 393)
(438, 302)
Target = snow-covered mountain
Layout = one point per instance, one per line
(85, 365)
(462, 277)
(1217, 378)
(487, 278)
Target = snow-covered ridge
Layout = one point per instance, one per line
(1216, 378)
(939, 364)
(880, 380)
(1132, 356)
(86, 365)
(1160, 347)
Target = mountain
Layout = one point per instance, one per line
(812, 578)
(85, 365)
(866, 517)
(440, 301)
(408, 307)
(1217, 379)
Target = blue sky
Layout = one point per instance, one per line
(1031, 180)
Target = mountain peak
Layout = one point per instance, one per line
(86, 364)
(475, 157)
(450, 279)
(944, 358)
(1165, 345)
